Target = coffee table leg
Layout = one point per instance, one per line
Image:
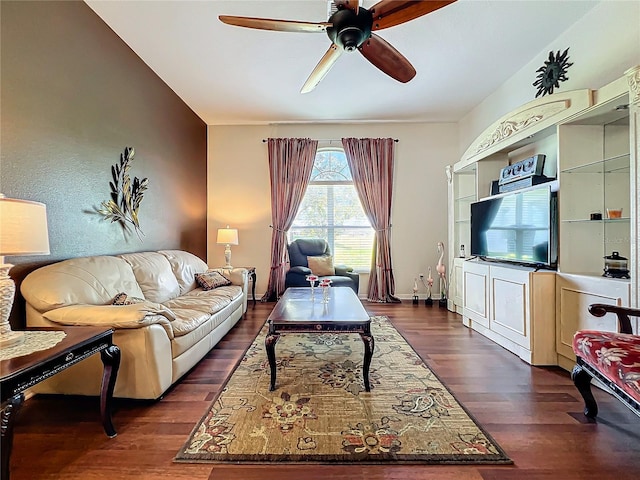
(111, 362)
(270, 346)
(369, 345)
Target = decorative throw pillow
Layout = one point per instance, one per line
(321, 266)
(211, 280)
(124, 299)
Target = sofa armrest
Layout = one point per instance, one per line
(115, 316)
(300, 270)
(238, 276)
(343, 270)
(624, 323)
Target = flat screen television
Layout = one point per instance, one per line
(518, 227)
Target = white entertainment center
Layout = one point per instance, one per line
(591, 146)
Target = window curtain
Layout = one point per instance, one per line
(290, 164)
(371, 164)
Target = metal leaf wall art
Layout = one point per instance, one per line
(126, 195)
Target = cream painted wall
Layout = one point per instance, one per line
(239, 191)
(602, 45)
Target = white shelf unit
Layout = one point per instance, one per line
(591, 145)
(595, 175)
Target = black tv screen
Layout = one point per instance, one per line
(516, 227)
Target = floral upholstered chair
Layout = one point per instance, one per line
(611, 357)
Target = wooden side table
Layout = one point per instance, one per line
(20, 373)
(252, 277)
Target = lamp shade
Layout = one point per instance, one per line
(23, 227)
(228, 236)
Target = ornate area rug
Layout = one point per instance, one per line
(321, 413)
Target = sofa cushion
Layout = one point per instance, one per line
(211, 280)
(154, 275)
(86, 280)
(185, 265)
(197, 306)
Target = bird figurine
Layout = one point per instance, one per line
(429, 301)
(442, 273)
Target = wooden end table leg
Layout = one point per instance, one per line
(111, 361)
(270, 346)
(8, 419)
(253, 287)
(369, 345)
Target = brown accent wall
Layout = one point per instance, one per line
(73, 95)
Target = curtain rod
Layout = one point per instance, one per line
(264, 140)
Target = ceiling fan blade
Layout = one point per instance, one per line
(277, 25)
(389, 13)
(381, 54)
(351, 4)
(322, 68)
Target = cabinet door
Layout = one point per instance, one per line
(510, 304)
(476, 293)
(574, 294)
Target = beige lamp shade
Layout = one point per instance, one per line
(23, 227)
(228, 236)
(23, 231)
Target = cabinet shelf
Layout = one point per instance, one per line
(617, 164)
(597, 222)
(466, 198)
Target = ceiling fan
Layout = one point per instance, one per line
(351, 28)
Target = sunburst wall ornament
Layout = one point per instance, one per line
(125, 194)
(552, 72)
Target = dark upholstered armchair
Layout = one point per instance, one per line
(302, 248)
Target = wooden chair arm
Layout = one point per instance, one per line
(624, 324)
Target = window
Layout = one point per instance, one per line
(331, 210)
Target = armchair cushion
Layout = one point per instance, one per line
(614, 355)
(321, 266)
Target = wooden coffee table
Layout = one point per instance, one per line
(295, 312)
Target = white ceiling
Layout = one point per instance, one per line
(233, 75)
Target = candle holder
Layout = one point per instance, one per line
(312, 283)
(325, 284)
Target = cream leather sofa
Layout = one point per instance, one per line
(160, 338)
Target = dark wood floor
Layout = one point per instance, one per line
(533, 413)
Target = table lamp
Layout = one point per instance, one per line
(23, 231)
(227, 236)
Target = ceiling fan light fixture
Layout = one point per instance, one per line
(350, 38)
(349, 29)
